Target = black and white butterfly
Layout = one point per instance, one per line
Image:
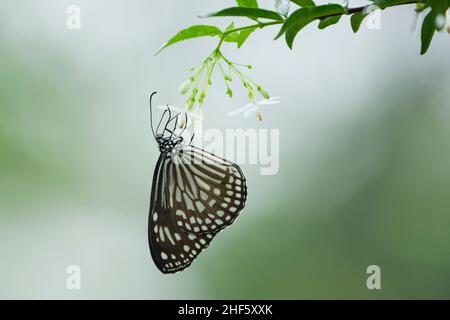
(195, 194)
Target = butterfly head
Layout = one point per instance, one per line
(168, 140)
(159, 138)
(168, 144)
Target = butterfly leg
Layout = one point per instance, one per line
(192, 138)
(160, 120)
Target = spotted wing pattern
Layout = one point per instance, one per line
(195, 194)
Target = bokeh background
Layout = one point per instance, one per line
(364, 156)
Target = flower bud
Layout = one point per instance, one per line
(263, 92)
(186, 85)
(229, 93)
(190, 104)
(183, 123)
(202, 97)
(440, 21)
(248, 86)
(251, 95)
(259, 116)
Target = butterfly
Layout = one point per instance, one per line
(194, 196)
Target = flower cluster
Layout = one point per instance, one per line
(196, 86)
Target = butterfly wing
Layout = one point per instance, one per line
(172, 249)
(207, 193)
(195, 194)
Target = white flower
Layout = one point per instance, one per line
(254, 109)
(440, 21)
(282, 7)
(192, 117)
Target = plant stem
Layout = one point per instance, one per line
(257, 25)
(252, 26)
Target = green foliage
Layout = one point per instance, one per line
(428, 29)
(420, 7)
(430, 23)
(304, 3)
(190, 33)
(243, 36)
(356, 20)
(233, 36)
(251, 13)
(390, 3)
(326, 22)
(328, 15)
(293, 23)
(303, 16)
(247, 3)
(238, 37)
(308, 14)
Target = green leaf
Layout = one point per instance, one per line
(303, 16)
(231, 37)
(292, 32)
(190, 33)
(429, 26)
(389, 3)
(243, 36)
(356, 20)
(230, 26)
(438, 6)
(329, 21)
(428, 29)
(304, 3)
(246, 12)
(247, 3)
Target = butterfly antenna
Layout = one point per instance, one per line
(151, 113)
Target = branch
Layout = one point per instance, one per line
(347, 11)
(197, 84)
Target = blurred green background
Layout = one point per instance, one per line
(364, 156)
